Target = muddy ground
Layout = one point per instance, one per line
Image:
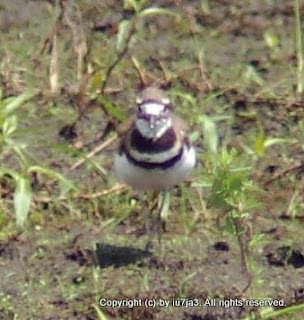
(234, 59)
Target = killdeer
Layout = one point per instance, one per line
(155, 152)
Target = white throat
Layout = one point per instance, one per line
(161, 126)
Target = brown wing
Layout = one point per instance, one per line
(181, 126)
(124, 130)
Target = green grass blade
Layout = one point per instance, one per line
(124, 30)
(210, 133)
(100, 314)
(158, 11)
(67, 184)
(299, 48)
(13, 103)
(133, 4)
(22, 199)
(10, 172)
(19, 151)
(112, 109)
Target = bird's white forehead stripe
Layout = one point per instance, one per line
(152, 108)
(165, 100)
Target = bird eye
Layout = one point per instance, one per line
(167, 107)
(139, 108)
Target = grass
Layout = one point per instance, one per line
(234, 85)
(299, 48)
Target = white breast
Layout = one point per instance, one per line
(155, 179)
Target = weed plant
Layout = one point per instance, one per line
(10, 146)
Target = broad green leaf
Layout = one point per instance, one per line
(133, 4)
(272, 141)
(13, 103)
(220, 118)
(201, 184)
(124, 30)
(229, 224)
(158, 11)
(9, 125)
(210, 133)
(10, 172)
(259, 142)
(18, 149)
(22, 199)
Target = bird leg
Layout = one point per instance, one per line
(155, 215)
(162, 213)
(150, 207)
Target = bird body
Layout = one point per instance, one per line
(154, 154)
(152, 176)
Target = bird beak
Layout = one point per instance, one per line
(153, 127)
(152, 122)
